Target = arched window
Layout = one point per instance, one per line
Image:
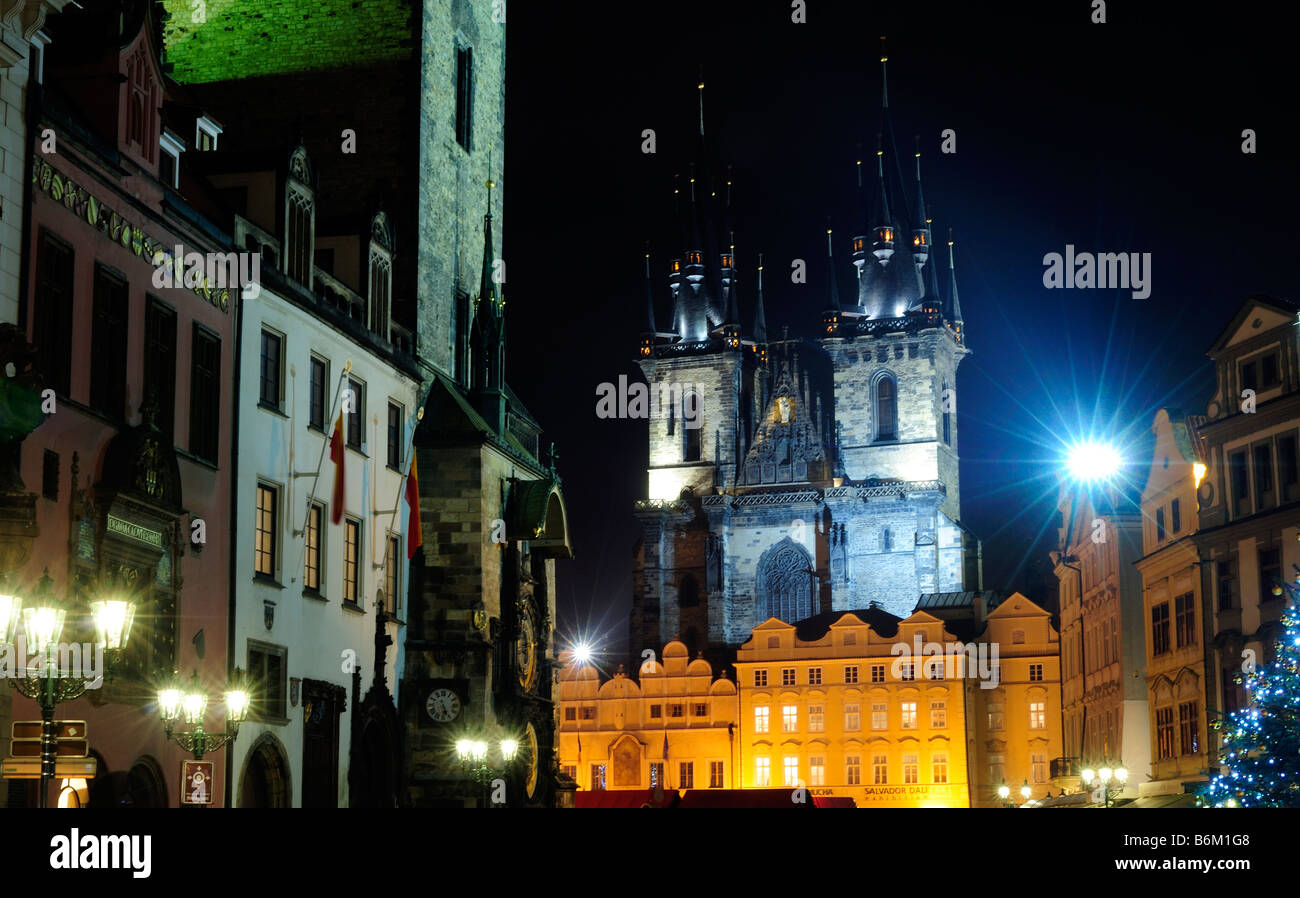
(692, 425)
(299, 219)
(886, 409)
(785, 581)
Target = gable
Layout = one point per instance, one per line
(787, 447)
(1257, 315)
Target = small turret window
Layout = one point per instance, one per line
(886, 409)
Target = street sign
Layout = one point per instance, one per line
(196, 782)
(70, 740)
(64, 768)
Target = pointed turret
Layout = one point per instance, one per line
(831, 317)
(860, 241)
(882, 222)
(760, 315)
(490, 329)
(954, 304)
(921, 228)
(649, 332)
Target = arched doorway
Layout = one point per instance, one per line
(265, 783)
(142, 786)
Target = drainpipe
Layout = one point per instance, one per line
(234, 531)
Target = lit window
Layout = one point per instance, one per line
(911, 765)
(311, 576)
(880, 769)
(686, 775)
(264, 552)
(816, 771)
(790, 765)
(597, 777)
(1037, 715)
(816, 718)
(762, 772)
(351, 560)
(853, 770)
(851, 717)
(715, 774)
(908, 710)
(938, 714)
(879, 716)
(760, 719)
(939, 767)
(789, 718)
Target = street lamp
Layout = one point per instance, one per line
(1025, 791)
(1105, 776)
(473, 756)
(176, 701)
(1004, 793)
(43, 619)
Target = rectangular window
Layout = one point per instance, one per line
(351, 560)
(1040, 767)
(851, 674)
(1189, 728)
(1175, 517)
(908, 715)
(656, 775)
(996, 716)
(676, 710)
(1164, 733)
(1288, 474)
(701, 709)
(53, 311)
(1240, 484)
(392, 565)
(356, 415)
(938, 714)
(1249, 376)
(1270, 573)
(464, 96)
(760, 678)
(787, 676)
(814, 676)
(789, 718)
(269, 390)
(571, 771)
(686, 774)
(936, 670)
(816, 718)
(50, 475)
(1227, 578)
(588, 712)
(817, 771)
(316, 414)
(877, 673)
(160, 363)
(763, 772)
(852, 720)
(939, 767)
(879, 716)
(396, 436)
(1037, 715)
(1263, 457)
(1185, 620)
(880, 770)
(790, 768)
(311, 576)
(761, 719)
(205, 393)
(656, 712)
(570, 713)
(1160, 628)
(108, 345)
(1035, 673)
(715, 775)
(911, 769)
(1270, 375)
(267, 672)
(1160, 524)
(853, 770)
(598, 777)
(267, 527)
(907, 672)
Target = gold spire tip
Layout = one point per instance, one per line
(700, 85)
(489, 184)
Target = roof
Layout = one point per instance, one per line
(1286, 307)
(932, 600)
(810, 629)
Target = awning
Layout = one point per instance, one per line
(1177, 800)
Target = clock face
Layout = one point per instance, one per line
(443, 705)
(526, 646)
(530, 762)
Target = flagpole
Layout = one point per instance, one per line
(329, 421)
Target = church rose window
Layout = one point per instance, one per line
(788, 582)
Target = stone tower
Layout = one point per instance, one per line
(824, 476)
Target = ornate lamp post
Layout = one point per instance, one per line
(1106, 776)
(176, 701)
(1004, 793)
(43, 619)
(473, 758)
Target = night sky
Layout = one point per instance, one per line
(1120, 137)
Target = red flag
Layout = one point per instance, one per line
(414, 534)
(337, 456)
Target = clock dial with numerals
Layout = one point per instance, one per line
(443, 705)
(531, 765)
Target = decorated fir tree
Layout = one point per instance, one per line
(1261, 742)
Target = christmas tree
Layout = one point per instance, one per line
(1261, 743)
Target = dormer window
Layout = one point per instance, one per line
(169, 161)
(299, 219)
(206, 132)
(381, 275)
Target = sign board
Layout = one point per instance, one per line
(196, 782)
(64, 768)
(70, 739)
(134, 531)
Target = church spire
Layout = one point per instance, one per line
(650, 333)
(882, 243)
(490, 328)
(954, 304)
(921, 230)
(760, 316)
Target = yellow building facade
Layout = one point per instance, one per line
(674, 729)
(1171, 592)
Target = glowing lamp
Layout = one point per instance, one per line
(1092, 461)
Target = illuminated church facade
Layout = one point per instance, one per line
(792, 476)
